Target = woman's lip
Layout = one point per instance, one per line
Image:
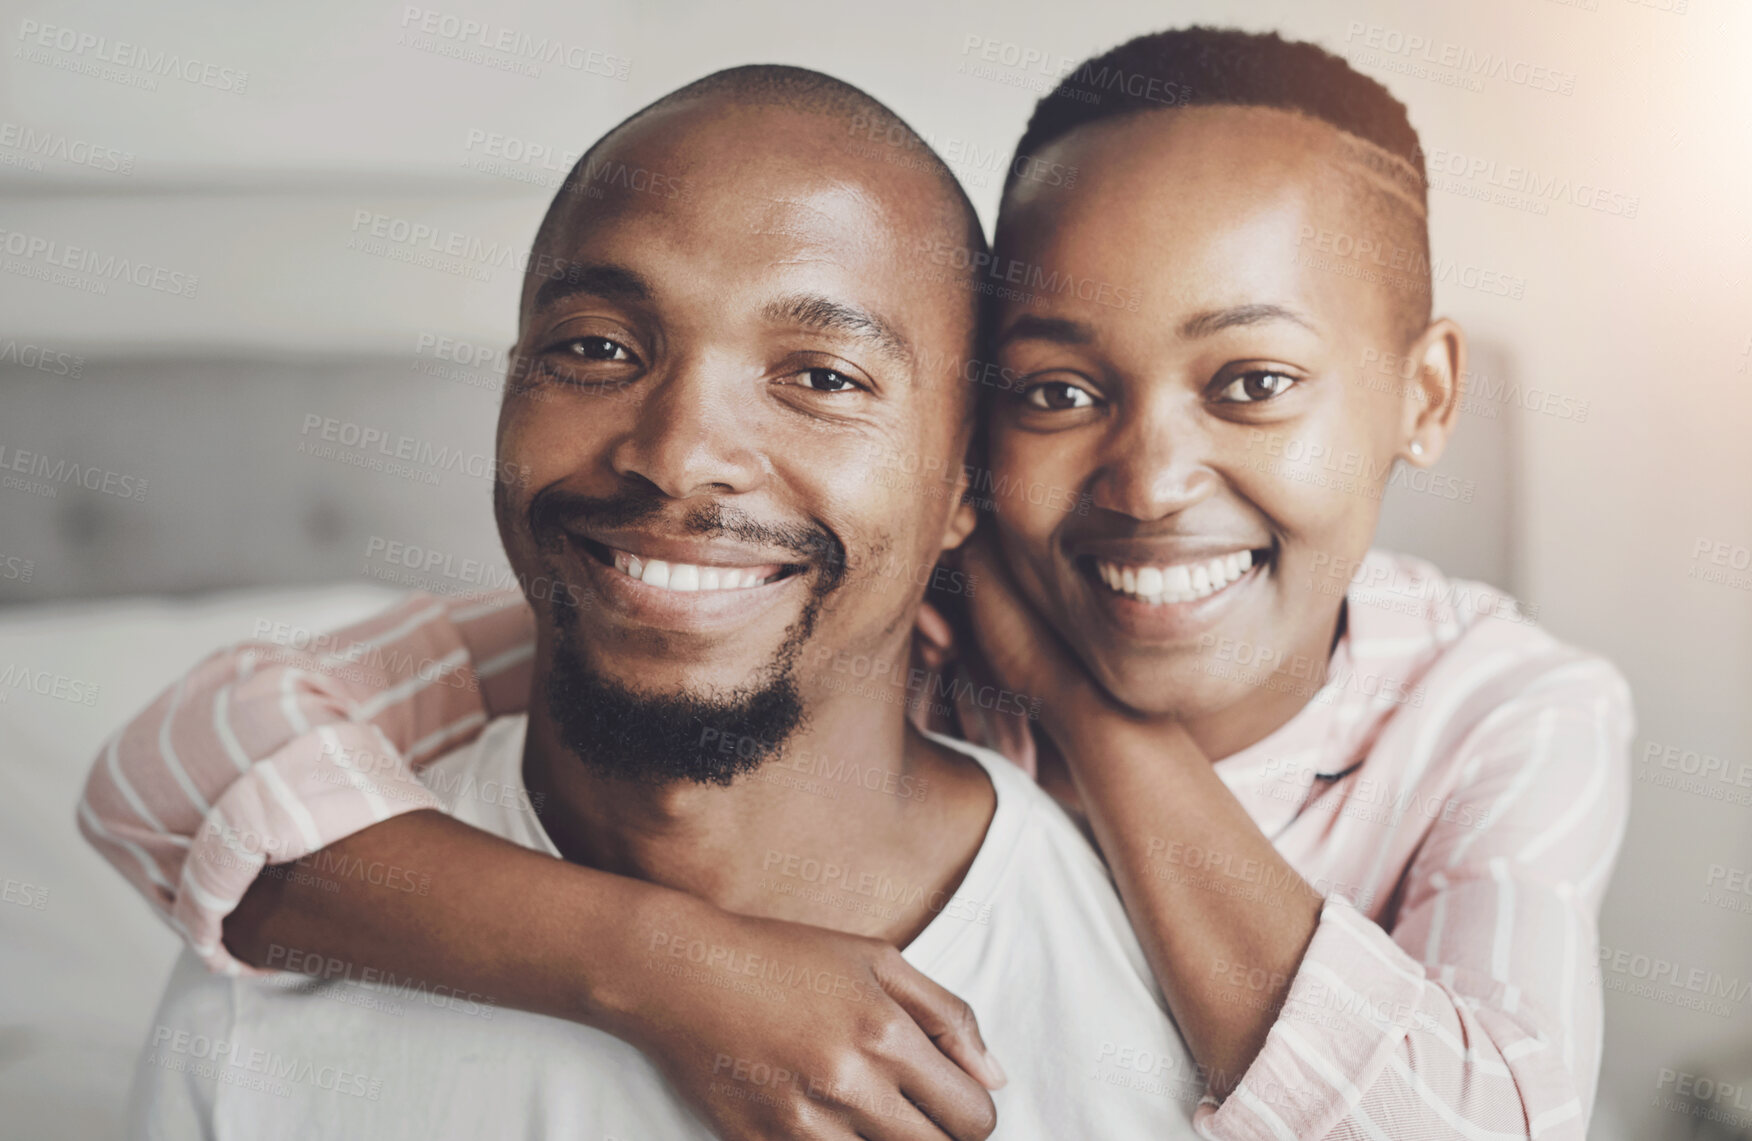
(1169, 621)
(701, 611)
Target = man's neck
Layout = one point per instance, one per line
(859, 823)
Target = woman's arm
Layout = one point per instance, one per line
(269, 750)
(1476, 1015)
(1144, 787)
(266, 754)
(1478, 1012)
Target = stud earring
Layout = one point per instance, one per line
(1416, 448)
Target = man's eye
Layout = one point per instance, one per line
(1252, 387)
(1057, 396)
(827, 380)
(599, 349)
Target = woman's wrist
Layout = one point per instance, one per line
(642, 930)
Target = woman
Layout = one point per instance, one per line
(1362, 817)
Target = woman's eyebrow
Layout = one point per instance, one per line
(1216, 320)
(1030, 327)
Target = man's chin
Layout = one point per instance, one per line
(666, 680)
(630, 728)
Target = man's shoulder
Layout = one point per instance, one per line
(481, 783)
(1034, 821)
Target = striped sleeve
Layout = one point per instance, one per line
(265, 753)
(1477, 1013)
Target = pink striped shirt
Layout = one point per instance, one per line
(1457, 789)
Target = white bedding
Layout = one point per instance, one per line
(82, 958)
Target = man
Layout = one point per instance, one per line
(705, 383)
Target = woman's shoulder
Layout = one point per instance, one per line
(1464, 635)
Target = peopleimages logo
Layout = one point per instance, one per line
(107, 267)
(47, 474)
(88, 48)
(1024, 275)
(371, 442)
(39, 144)
(459, 37)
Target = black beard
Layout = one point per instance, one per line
(657, 738)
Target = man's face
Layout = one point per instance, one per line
(1208, 408)
(713, 389)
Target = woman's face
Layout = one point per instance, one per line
(1190, 459)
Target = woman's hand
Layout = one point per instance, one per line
(885, 1054)
(1017, 648)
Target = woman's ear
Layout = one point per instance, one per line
(1432, 399)
(962, 521)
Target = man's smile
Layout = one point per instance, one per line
(684, 585)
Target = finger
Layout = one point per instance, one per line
(934, 627)
(893, 1117)
(945, 1019)
(954, 1104)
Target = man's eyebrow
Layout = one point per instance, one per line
(612, 282)
(814, 311)
(1030, 327)
(1216, 320)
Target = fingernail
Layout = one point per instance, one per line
(998, 1073)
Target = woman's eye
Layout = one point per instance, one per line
(1252, 387)
(599, 349)
(1057, 395)
(827, 380)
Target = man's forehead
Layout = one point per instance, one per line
(757, 157)
(740, 243)
(782, 207)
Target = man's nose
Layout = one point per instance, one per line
(693, 433)
(1157, 463)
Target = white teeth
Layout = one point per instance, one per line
(1183, 582)
(685, 576)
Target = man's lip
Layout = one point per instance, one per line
(705, 613)
(698, 552)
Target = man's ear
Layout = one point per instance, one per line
(1432, 399)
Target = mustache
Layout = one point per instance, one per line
(553, 507)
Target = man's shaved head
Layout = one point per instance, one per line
(853, 114)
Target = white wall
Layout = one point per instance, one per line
(1646, 319)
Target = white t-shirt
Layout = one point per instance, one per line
(1035, 939)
